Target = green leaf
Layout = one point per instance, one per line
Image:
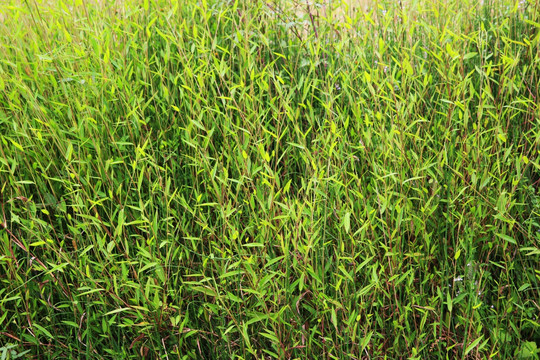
(473, 345)
(205, 290)
(507, 238)
(120, 225)
(116, 311)
(43, 330)
(38, 243)
(71, 323)
(334, 318)
(347, 222)
(528, 350)
(16, 144)
(255, 317)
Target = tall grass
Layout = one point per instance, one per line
(239, 179)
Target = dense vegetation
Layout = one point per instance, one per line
(240, 179)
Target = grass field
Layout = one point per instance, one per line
(221, 179)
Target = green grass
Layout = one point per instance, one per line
(231, 180)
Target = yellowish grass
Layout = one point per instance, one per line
(335, 11)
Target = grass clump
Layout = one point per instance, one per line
(240, 179)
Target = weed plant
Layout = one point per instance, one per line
(220, 179)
